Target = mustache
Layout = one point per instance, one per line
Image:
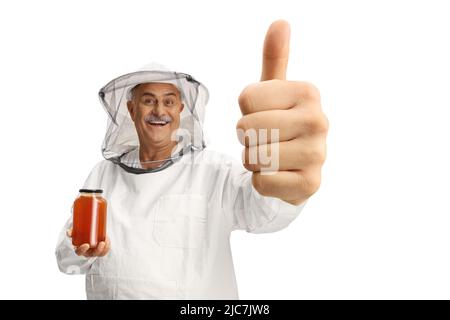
(152, 117)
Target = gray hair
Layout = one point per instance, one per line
(130, 92)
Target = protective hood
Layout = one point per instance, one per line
(121, 143)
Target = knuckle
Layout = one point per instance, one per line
(317, 123)
(309, 91)
(316, 155)
(242, 124)
(311, 184)
(322, 123)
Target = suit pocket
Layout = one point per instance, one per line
(180, 221)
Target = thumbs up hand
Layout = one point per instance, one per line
(283, 127)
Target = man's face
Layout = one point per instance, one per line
(155, 110)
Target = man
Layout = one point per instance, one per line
(172, 204)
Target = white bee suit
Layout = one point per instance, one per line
(170, 228)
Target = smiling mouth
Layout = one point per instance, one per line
(158, 123)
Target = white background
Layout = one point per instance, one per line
(379, 225)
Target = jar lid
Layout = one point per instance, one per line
(91, 190)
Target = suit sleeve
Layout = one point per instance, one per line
(68, 261)
(247, 210)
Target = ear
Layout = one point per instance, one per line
(130, 106)
(182, 107)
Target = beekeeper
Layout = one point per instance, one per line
(172, 204)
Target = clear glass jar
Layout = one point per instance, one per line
(89, 218)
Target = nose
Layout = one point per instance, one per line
(158, 110)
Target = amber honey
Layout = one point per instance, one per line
(89, 218)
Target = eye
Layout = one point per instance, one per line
(149, 101)
(169, 102)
